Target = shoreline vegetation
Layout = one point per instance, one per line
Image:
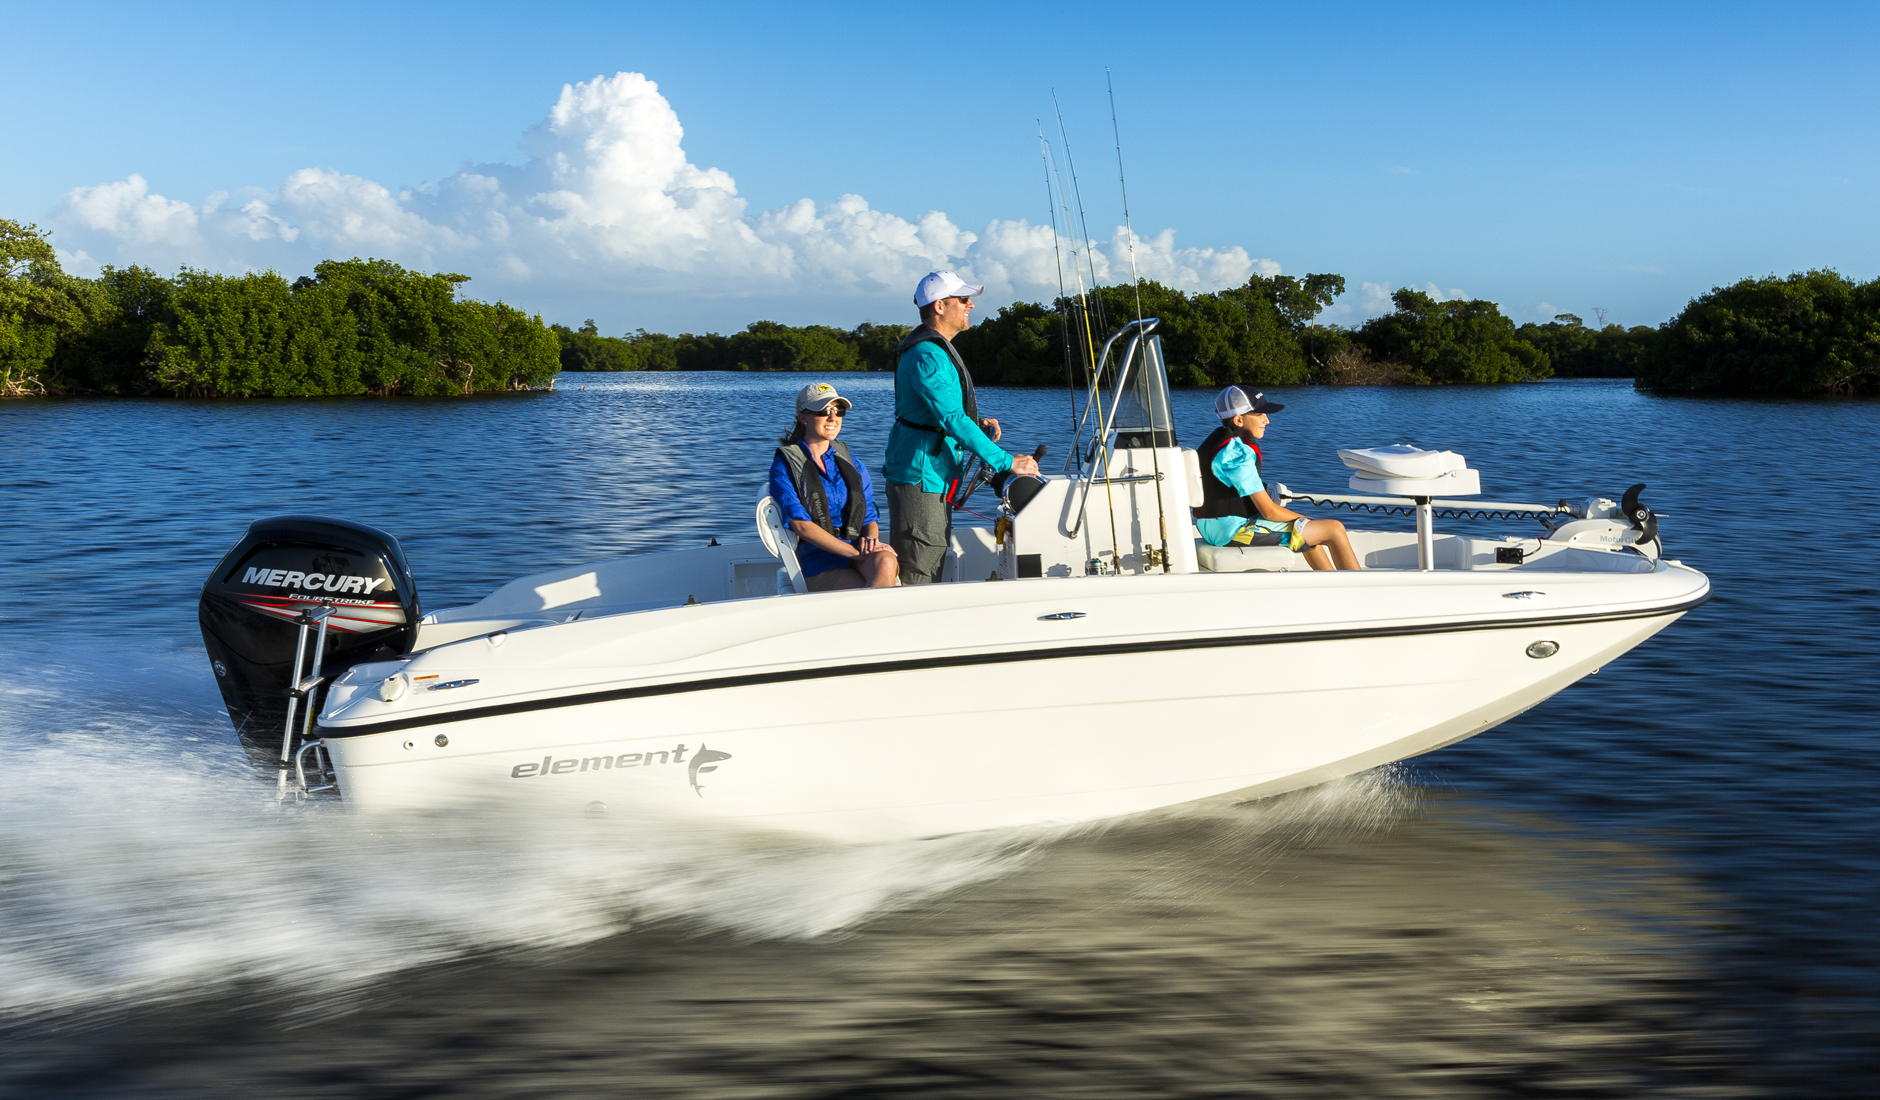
(1814, 333)
(372, 327)
(364, 327)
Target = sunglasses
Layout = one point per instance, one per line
(834, 410)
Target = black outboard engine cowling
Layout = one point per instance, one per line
(281, 567)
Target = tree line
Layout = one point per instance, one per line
(1809, 333)
(373, 327)
(352, 327)
(1262, 333)
(1813, 332)
(762, 346)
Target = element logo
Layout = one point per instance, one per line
(705, 761)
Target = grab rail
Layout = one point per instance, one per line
(1096, 381)
(1144, 325)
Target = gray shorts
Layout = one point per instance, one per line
(920, 526)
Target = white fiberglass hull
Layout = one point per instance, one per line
(925, 711)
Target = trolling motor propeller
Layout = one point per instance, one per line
(1640, 516)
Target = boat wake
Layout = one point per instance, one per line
(140, 859)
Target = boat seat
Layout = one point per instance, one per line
(1191, 469)
(781, 542)
(1232, 559)
(1245, 559)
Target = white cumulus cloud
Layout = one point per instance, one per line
(607, 215)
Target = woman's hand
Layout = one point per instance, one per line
(868, 544)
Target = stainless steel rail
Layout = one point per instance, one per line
(318, 748)
(1096, 381)
(1144, 327)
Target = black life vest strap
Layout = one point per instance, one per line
(969, 399)
(906, 423)
(1214, 446)
(809, 488)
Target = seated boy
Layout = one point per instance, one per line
(1235, 507)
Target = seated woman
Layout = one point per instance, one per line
(1235, 507)
(828, 500)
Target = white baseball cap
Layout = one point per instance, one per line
(944, 284)
(1238, 401)
(818, 396)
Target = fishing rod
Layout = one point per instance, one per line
(1129, 229)
(1092, 328)
(1064, 330)
(1102, 456)
(1095, 315)
(1070, 161)
(1086, 330)
(1082, 328)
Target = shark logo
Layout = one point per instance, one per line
(705, 761)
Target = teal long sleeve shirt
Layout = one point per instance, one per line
(927, 391)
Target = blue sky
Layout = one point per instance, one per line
(1546, 157)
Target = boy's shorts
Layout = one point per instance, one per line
(1292, 536)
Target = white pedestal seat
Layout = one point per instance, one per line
(1246, 559)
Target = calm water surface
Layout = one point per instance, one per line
(1662, 882)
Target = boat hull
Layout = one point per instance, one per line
(861, 750)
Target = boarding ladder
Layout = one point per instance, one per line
(302, 687)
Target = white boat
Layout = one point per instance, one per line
(1085, 666)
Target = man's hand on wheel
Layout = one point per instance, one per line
(990, 427)
(1025, 464)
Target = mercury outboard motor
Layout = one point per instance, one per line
(282, 567)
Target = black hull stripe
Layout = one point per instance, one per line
(918, 664)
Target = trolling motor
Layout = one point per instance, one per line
(1597, 521)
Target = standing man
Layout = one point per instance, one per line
(936, 421)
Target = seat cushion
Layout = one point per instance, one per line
(1246, 559)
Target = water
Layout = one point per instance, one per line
(1661, 882)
